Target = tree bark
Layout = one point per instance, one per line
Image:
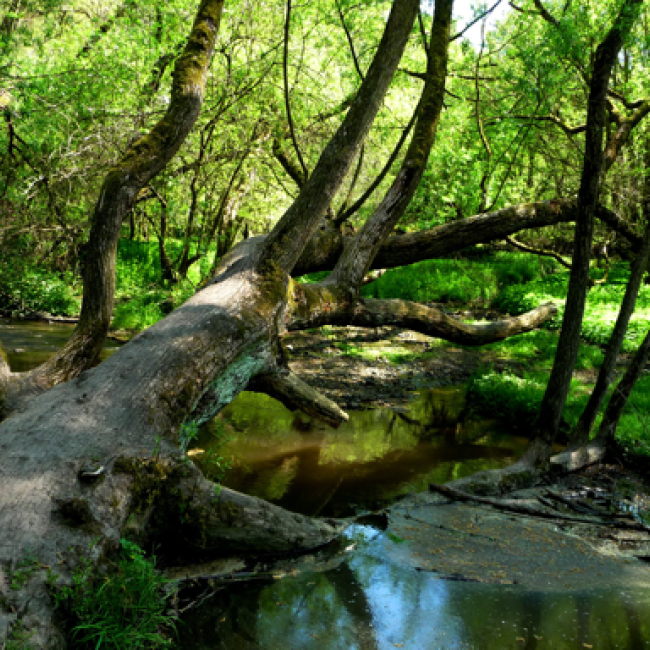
(567, 351)
(283, 247)
(580, 435)
(358, 255)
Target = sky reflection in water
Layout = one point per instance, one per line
(368, 602)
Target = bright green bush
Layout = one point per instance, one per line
(504, 396)
(479, 279)
(601, 311)
(142, 298)
(123, 609)
(25, 287)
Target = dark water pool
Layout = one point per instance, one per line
(368, 462)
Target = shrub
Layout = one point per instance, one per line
(24, 287)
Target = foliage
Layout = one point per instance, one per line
(24, 570)
(538, 347)
(602, 307)
(513, 399)
(479, 280)
(142, 298)
(25, 286)
(633, 432)
(188, 433)
(122, 609)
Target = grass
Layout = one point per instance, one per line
(602, 307)
(122, 609)
(469, 281)
(633, 431)
(538, 347)
(514, 400)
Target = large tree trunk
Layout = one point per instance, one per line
(197, 360)
(128, 411)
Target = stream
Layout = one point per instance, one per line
(357, 592)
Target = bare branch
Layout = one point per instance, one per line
(535, 251)
(545, 14)
(485, 14)
(317, 305)
(356, 206)
(287, 100)
(350, 42)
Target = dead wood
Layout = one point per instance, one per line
(458, 495)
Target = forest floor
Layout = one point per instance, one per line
(361, 368)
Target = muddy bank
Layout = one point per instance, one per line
(358, 368)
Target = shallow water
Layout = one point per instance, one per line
(30, 343)
(368, 602)
(368, 462)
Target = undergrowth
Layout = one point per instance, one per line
(601, 311)
(141, 296)
(26, 287)
(123, 608)
(515, 401)
(469, 281)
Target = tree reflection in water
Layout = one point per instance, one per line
(368, 602)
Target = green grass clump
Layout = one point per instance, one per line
(515, 400)
(123, 609)
(538, 347)
(633, 431)
(506, 397)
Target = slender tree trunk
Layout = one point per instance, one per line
(580, 435)
(567, 351)
(144, 159)
(622, 392)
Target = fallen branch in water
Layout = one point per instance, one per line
(458, 495)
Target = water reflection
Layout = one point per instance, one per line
(378, 455)
(30, 343)
(369, 602)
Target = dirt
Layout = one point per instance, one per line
(331, 363)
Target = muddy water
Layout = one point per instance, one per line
(368, 462)
(29, 343)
